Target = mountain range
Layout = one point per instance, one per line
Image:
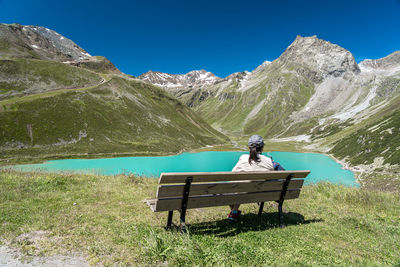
(315, 92)
(56, 100)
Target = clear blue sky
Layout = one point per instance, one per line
(176, 36)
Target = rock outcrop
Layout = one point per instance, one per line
(39, 42)
(321, 56)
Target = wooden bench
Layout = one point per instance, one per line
(182, 191)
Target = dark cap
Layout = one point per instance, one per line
(256, 140)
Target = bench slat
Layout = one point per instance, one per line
(168, 190)
(221, 200)
(168, 178)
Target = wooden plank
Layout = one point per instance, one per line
(168, 178)
(222, 200)
(169, 190)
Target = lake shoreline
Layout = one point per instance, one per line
(323, 167)
(356, 170)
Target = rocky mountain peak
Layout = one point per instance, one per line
(39, 42)
(200, 76)
(322, 56)
(194, 78)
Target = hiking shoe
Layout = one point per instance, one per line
(234, 215)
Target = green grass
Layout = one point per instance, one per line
(380, 139)
(14, 100)
(25, 75)
(104, 218)
(331, 129)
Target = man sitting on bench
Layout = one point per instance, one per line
(254, 161)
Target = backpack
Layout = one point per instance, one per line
(277, 166)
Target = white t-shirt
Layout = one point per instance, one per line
(243, 165)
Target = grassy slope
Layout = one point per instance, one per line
(120, 116)
(327, 225)
(25, 76)
(381, 139)
(8, 102)
(361, 143)
(230, 113)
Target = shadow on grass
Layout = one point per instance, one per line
(248, 222)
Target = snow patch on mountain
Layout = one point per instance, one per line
(195, 78)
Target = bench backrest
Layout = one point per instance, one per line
(209, 189)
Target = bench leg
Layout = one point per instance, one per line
(169, 222)
(183, 225)
(281, 221)
(261, 208)
(185, 199)
(282, 198)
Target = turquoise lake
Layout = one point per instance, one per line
(322, 167)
